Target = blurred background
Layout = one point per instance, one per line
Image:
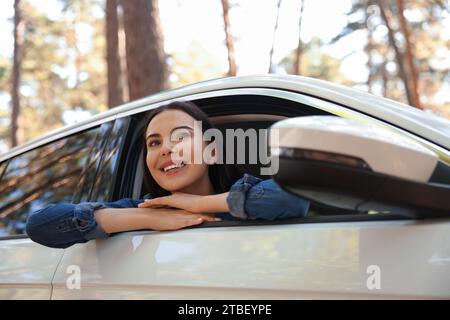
(62, 61)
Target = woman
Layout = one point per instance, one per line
(184, 192)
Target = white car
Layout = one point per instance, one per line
(355, 243)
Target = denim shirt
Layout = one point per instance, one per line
(60, 225)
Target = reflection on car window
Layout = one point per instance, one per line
(2, 167)
(102, 190)
(42, 176)
(84, 190)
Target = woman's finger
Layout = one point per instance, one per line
(192, 222)
(161, 201)
(143, 205)
(209, 218)
(150, 205)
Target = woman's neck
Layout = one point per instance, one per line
(202, 187)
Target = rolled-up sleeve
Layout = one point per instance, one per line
(64, 224)
(253, 198)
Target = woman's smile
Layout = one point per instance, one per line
(170, 168)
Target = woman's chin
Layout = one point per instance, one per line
(173, 183)
(179, 179)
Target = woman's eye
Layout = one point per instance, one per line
(153, 143)
(180, 137)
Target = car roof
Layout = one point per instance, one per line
(429, 126)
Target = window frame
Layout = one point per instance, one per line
(319, 104)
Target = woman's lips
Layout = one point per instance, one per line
(173, 171)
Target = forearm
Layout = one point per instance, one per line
(215, 203)
(114, 220)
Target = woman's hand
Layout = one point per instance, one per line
(114, 220)
(185, 201)
(172, 219)
(189, 202)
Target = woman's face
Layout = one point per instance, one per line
(171, 145)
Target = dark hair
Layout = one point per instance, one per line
(222, 176)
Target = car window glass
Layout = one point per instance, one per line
(42, 176)
(86, 182)
(2, 168)
(103, 187)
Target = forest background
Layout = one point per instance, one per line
(62, 61)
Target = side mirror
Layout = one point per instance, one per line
(352, 166)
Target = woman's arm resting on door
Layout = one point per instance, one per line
(249, 198)
(64, 224)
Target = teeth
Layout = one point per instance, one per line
(173, 166)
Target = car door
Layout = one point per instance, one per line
(320, 256)
(58, 171)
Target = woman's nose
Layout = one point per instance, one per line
(167, 147)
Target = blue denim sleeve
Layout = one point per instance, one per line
(253, 198)
(60, 225)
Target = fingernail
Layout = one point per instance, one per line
(217, 219)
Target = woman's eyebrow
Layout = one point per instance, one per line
(153, 135)
(181, 127)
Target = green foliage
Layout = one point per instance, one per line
(5, 66)
(58, 75)
(430, 49)
(195, 64)
(315, 63)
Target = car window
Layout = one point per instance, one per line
(104, 182)
(2, 168)
(84, 190)
(42, 176)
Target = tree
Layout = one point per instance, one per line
(387, 16)
(315, 63)
(146, 65)
(43, 80)
(195, 64)
(398, 43)
(228, 39)
(16, 75)
(84, 38)
(54, 80)
(412, 78)
(297, 64)
(275, 28)
(5, 113)
(115, 89)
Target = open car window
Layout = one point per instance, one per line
(254, 114)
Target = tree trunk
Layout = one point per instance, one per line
(369, 48)
(386, 16)
(146, 65)
(115, 90)
(409, 57)
(229, 40)
(384, 79)
(18, 55)
(298, 53)
(274, 36)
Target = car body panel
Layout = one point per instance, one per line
(328, 260)
(27, 269)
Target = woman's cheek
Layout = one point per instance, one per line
(151, 163)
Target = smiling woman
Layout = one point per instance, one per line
(184, 191)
